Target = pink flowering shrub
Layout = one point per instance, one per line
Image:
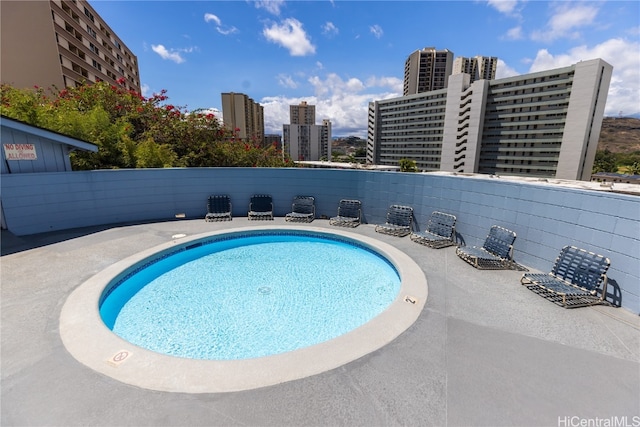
(133, 131)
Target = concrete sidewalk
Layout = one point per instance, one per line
(484, 351)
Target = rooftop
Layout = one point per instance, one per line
(484, 350)
(632, 189)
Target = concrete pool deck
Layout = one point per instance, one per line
(484, 350)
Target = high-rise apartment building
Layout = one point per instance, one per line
(427, 69)
(63, 44)
(302, 138)
(544, 124)
(303, 142)
(243, 116)
(478, 67)
(302, 114)
(326, 139)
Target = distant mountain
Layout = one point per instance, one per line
(620, 134)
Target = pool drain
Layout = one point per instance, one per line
(264, 290)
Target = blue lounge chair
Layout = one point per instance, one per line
(575, 280)
(440, 231)
(218, 208)
(349, 213)
(303, 209)
(399, 221)
(495, 254)
(260, 207)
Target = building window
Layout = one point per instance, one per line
(106, 46)
(72, 31)
(94, 49)
(89, 14)
(78, 69)
(96, 65)
(90, 31)
(73, 49)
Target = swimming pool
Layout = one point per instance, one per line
(91, 342)
(253, 295)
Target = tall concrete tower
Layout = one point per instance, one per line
(478, 67)
(426, 70)
(302, 114)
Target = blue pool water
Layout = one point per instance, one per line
(250, 297)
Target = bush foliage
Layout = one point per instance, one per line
(133, 131)
(626, 163)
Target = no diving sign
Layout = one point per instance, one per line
(20, 152)
(119, 358)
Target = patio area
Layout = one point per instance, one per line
(484, 351)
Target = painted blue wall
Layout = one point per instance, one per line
(52, 156)
(545, 217)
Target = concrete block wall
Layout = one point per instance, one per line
(545, 217)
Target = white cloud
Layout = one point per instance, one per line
(507, 7)
(514, 33)
(208, 17)
(145, 90)
(330, 29)
(227, 31)
(503, 70)
(376, 30)
(287, 81)
(393, 83)
(170, 54)
(224, 30)
(290, 35)
(271, 6)
(343, 101)
(566, 20)
(210, 110)
(319, 65)
(624, 90)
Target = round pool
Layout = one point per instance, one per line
(253, 295)
(88, 338)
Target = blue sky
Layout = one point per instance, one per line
(340, 55)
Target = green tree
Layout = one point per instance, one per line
(408, 165)
(626, 160)
(634, 169)
(605, 161)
